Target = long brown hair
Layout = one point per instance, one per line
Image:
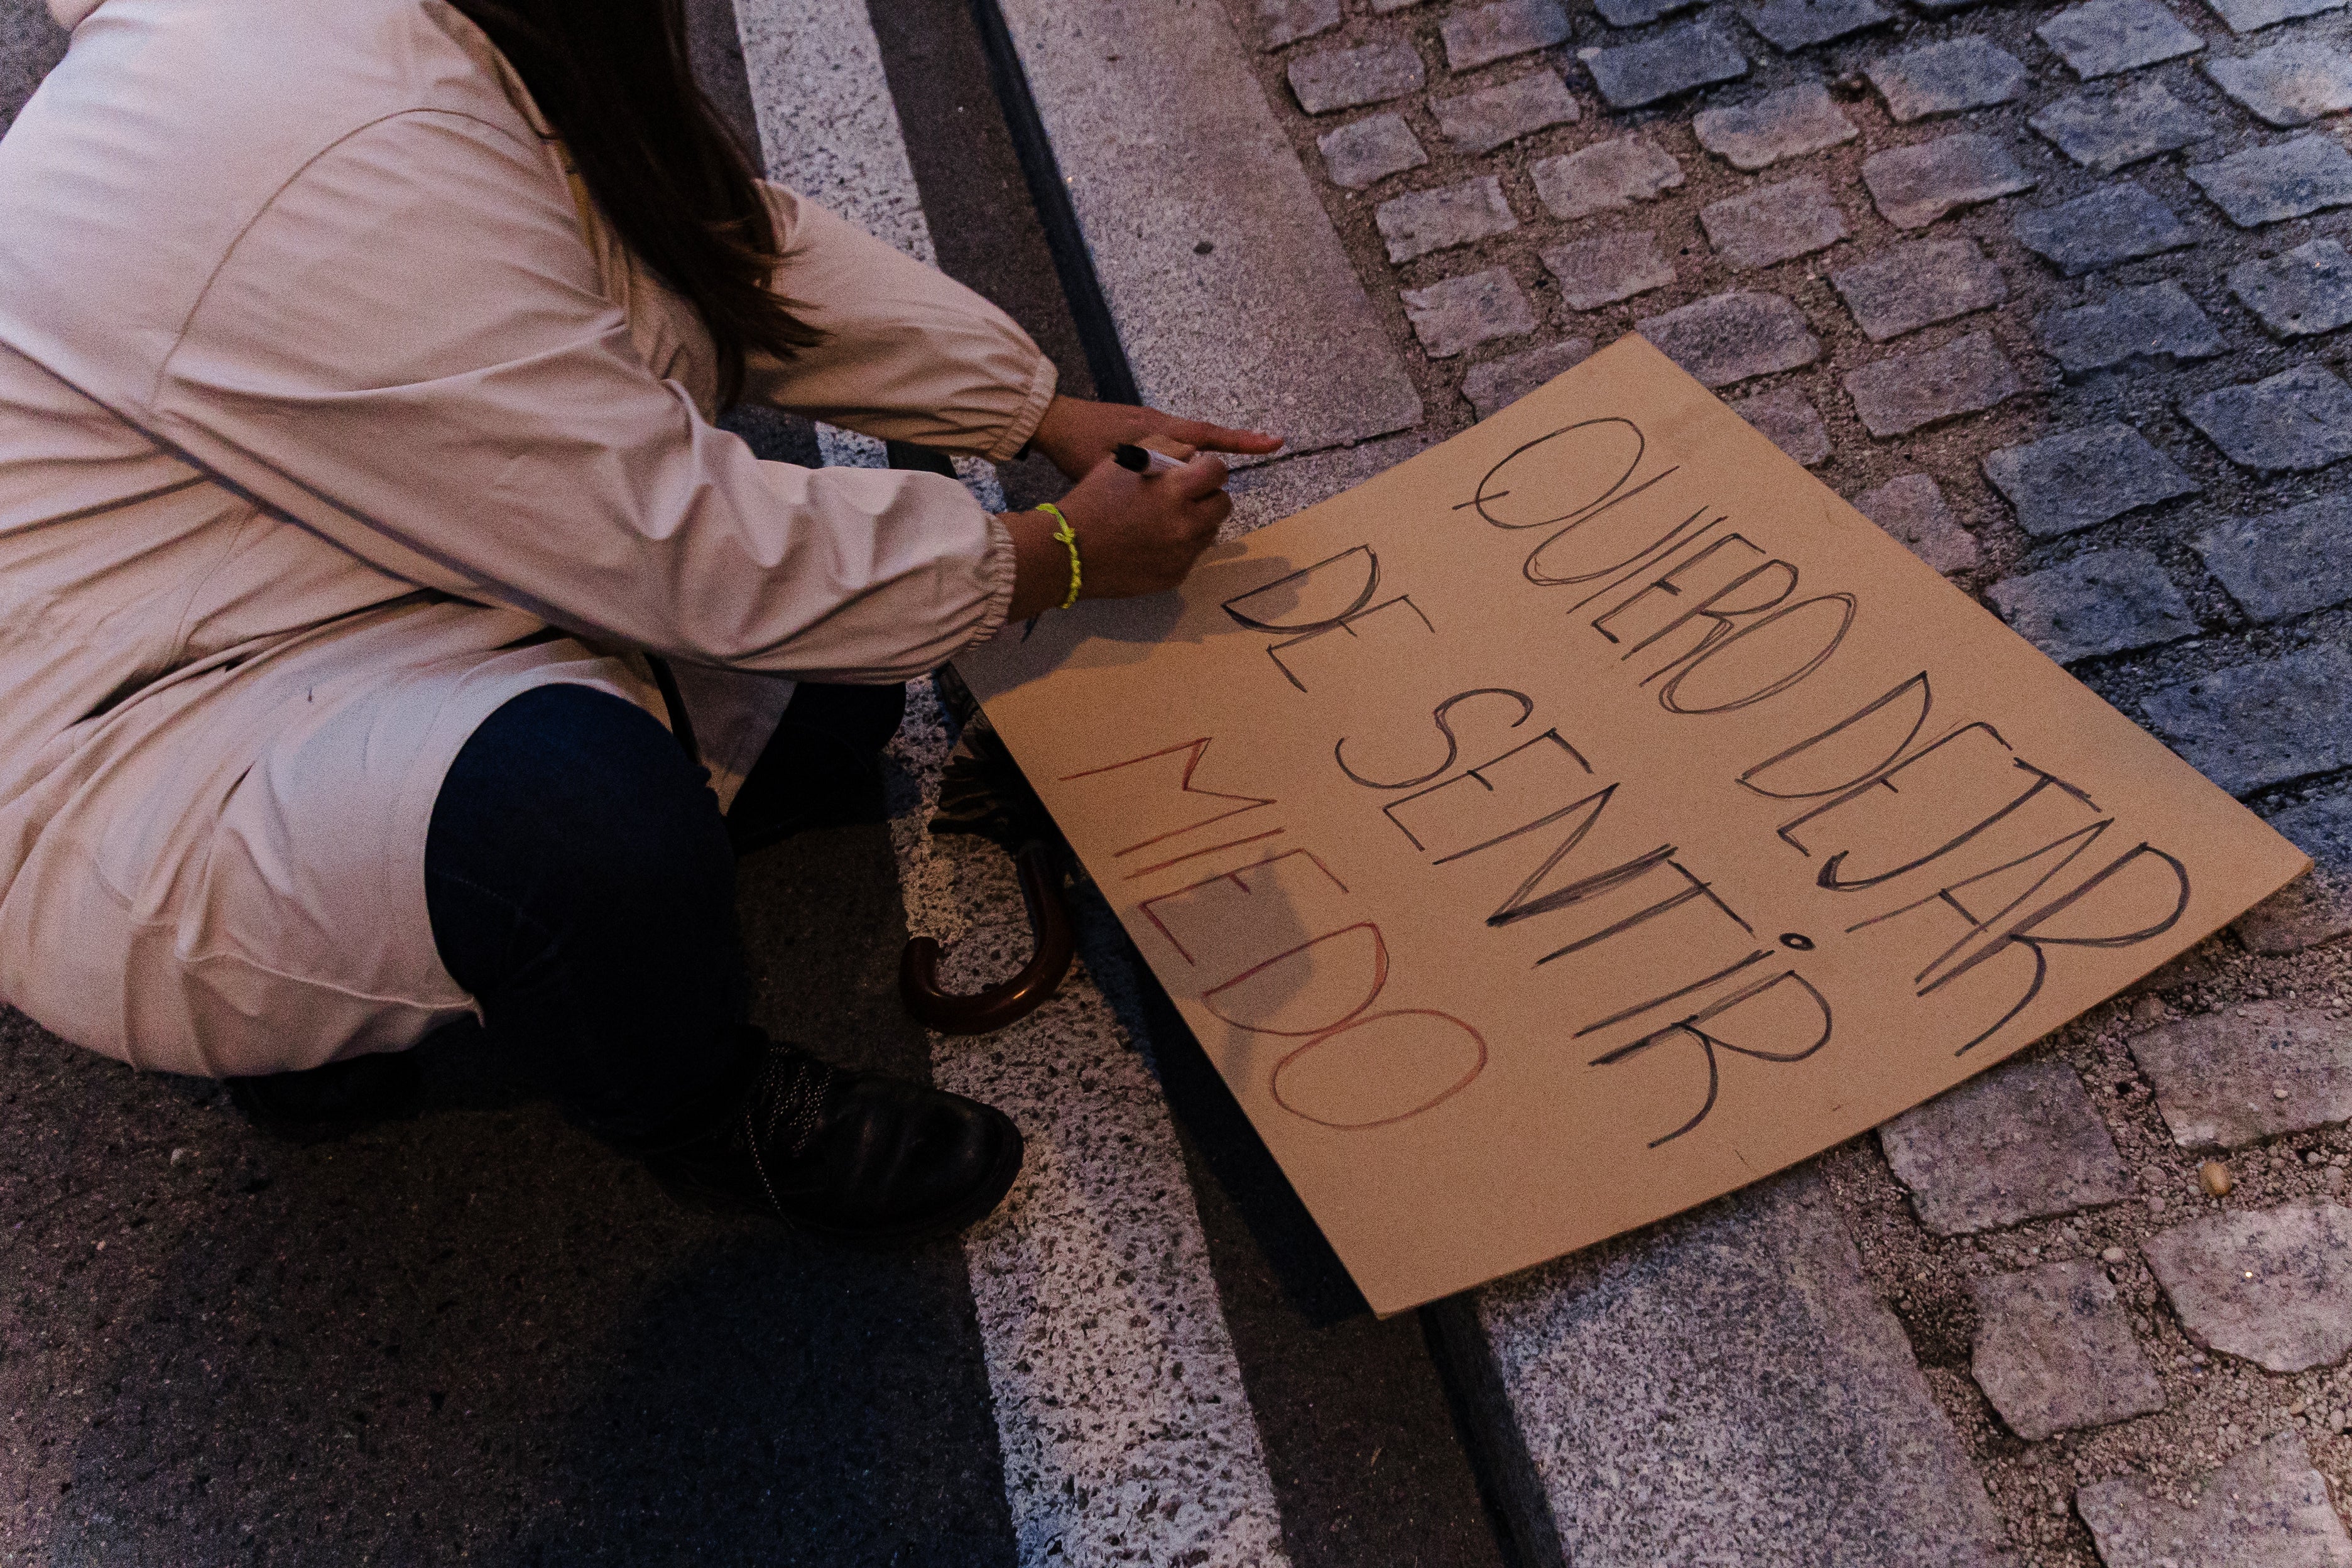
(613, 78)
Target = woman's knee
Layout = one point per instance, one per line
(569, 811)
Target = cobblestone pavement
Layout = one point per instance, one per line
(2055, 294)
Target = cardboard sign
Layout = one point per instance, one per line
(1593, 814)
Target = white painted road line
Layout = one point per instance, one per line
(827, 127)
(1225, 279)
(829, 131)
(1126, 1430)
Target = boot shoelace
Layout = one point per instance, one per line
(790, 1096)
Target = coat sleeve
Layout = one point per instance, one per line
(408, 352)
(909, 354)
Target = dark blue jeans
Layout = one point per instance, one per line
(581, 882)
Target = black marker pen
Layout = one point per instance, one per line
(1142, 459)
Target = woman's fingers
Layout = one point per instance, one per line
(1077, 434)
(1217, 437)
(1205, 474)
(1212, 510)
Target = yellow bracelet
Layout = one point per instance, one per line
(1069, 541)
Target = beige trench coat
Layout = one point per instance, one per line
(324, 393)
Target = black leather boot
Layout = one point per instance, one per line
(846, 1153)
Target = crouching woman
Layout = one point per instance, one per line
(367, 552)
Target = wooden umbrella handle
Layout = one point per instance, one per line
(1009, 1000)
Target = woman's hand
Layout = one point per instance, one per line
(1079, 435)
(1138, 533)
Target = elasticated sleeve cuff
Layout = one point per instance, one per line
(998, 568)
(1023, 425)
